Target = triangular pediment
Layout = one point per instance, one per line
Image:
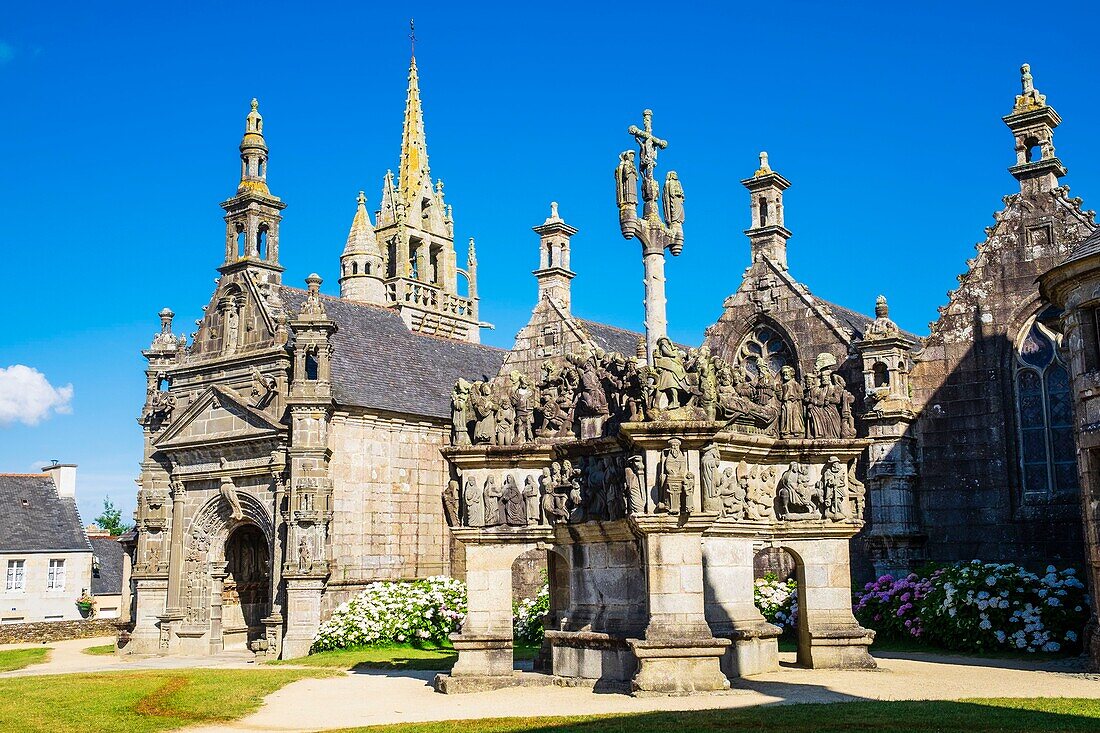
(218, 416)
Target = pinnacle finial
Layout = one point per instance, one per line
(1029, 98)
(554, 210)
(412, 36)
(1026, 80)
(764, 168)
(882, 309)
(255, 104)
(362, 199)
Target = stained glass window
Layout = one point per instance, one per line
(765, 345)
(1044, 410)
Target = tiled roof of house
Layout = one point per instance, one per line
(379, 363)
(34, 518)
(107, 566)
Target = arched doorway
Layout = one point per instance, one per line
(246, 592)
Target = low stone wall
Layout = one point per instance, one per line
(47, 631)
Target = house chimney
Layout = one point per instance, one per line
(64, 477)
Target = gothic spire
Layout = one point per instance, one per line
(413, 175)
(361, 238)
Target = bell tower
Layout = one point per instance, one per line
(554, 274)
(252, 216)
(361, 266)
(1032, 123)
(767, 235)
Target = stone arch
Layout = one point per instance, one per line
(765, 340)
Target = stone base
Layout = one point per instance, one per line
(840, 648)
(482, 656)
(588, 659)
(754, 650)
(679, 666)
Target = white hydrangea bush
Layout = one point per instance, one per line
(419, 611)
(527, 615)
(777, 600)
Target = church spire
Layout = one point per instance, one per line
(414, 177)
(361, 268)
(1032, 122)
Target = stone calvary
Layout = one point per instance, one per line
(652, 481)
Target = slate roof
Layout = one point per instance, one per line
(378, 362)
(857, 321)
(33, 518)
(1087, 247)
(107, 554)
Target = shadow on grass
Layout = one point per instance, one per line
(968, 716)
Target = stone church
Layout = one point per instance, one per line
(292, 443)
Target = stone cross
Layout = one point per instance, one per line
(655, 235)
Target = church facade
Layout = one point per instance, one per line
(293, 442)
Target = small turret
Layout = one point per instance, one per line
(1032, 123)
(554, 274)
(767, 235)
(361, 265)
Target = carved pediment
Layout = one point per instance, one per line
(219, 415)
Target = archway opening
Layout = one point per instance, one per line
(246, 592)
(532, 605)
(780, 594)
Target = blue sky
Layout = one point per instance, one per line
(120, 125)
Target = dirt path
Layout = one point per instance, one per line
(68, 657)
(388, 697)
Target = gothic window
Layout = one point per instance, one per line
(261, 242)
(766, 345)
(763, 211)
(1044, 410)
(354, 268)
(311, 365)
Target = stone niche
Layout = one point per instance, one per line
(650, 537)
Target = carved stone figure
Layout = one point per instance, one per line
(513, 503)
(626, 181)
(531, 499)
(634, 479)
(688, 502)
(615, 483)
(305, 561)
(451, 503)
(506, 422)
(264, 389)
(484, 408)
(673, 199)
(229, 492)
(523, 405)
(673, 472)
(708, 384)
(460, 414)
(795, 497)
(671, 376)
(791, 421)
(709, 478)
(845, 400)
(591, 402)
(822, 419)
(761, 499)
(833, 486)
(553, 500)
(491, 496)
(473, 502)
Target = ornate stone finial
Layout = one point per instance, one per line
(764, 168)
(362, 198)
(554, 210)
(412, 36)
(313, 305)
(882, 309)
(1029, 98)
(166, 316)
(882, 327)
(255, 104)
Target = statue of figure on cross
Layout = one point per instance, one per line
(655, 234)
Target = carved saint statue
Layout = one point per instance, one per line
(792, 424)
(485, 427)
(491, 496)
(673, 473)
(473, 502)
(626, 181)
(305, 562)
(822, 420)
(689, 493)
(523, 405)
(671, 375)
(795, 497)
(844, 399)
(513, 503)
(460, 414)
(833, 486)
(531, 499)
(709, 477)
(229, 493)
(634, 479)
(673, 200)
(505, 419)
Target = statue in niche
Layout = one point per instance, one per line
(506, 422)
(481, 401)
(671, 479)
(595, 484)
(491, 497)
(833, 487)
(792, 423)
(531, 499)
(761, 499)
(513, 504)
(709, 478)
(229, 492)
(626, 182)
(734, 491)
(575, 485)
(523, 405)
(672, 381)
(305, 561)
(673, 200)
(264, 389)
(615, 500)
(473, 503)
(460, 414)
(688, 502)
(796, 498)
(634, 489)
(845, 400)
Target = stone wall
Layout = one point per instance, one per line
(388, 523)
(48, 631)
(35, 602)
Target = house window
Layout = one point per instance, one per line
(16, 581)
(765, 345)
(55, 576)
(1044, 408)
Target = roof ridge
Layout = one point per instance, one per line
(29, 475)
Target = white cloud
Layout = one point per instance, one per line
(26, 396)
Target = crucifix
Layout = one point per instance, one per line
(655, 234)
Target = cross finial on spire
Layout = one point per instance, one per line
(362, 198)
(412, 36)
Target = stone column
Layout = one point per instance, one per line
(656, 322)
(303, 613)
(829, 637)
(679, 654)
(731, 611)
(175, 553)
(218, 572)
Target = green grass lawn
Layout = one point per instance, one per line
(885, 644)
(13, 659)
(137, 702)
(392, 656)
(101, 650)
(964, 716)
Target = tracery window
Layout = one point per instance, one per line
(1044, 408)
(765, 345)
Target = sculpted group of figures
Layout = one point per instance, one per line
(595, 390)
(610, 487)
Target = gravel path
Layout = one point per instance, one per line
(68, 657)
